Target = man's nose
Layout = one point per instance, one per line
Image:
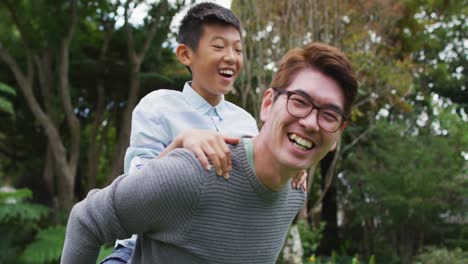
(311, 122)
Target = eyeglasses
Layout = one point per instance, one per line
(300, 106)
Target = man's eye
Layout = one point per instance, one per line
(299, 102)
(330, 115)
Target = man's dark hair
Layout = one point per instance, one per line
(326, 59)
(191, 27)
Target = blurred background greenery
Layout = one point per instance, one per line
(395, 190)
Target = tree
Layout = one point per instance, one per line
(156, 24)
(38, 55)
(401, 183)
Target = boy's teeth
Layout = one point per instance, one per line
(300, 142)
(226, 72)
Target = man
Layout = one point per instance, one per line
(185, 214)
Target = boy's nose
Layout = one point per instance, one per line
(229, 57)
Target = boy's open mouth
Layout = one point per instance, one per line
(226, 73)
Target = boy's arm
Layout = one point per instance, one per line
(147, 201)
(207, 146)
(151, 137)
(150, 134)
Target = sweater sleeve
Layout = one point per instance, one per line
(160, 198)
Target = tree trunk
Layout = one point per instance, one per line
(124, 133)
(329, 213)
(65, 168)
(135, 58)
(95, 145)
(49, 174)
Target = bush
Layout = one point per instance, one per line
(434, 255)
(19, 220)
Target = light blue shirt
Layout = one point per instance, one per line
(163, 114)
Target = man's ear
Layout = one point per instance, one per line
(184, 54)
(340, 130)
(267, 103)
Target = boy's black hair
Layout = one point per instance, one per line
(191, 26)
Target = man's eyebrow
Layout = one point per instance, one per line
(327, 105)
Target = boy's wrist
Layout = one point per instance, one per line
(178, 141)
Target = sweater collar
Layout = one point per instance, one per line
(260, 189)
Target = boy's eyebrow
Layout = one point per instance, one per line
(223, 38)
(328, 105)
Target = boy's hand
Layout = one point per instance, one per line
(300, 181)
(210, 146)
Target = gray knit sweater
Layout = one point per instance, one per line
(184, 214)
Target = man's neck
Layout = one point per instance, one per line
(270, 172)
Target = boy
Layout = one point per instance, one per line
(198, 118)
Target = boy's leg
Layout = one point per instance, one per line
(120, 255)
(122, 251)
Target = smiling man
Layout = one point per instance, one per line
(185, 214)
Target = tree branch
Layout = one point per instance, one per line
(128, 29)
(16, 21)
(357, 139)
(23, 81)
(64, 88)
(163, 6)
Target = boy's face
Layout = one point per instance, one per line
(295, 142)
(216, 63)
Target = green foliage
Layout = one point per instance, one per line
(18, 222)
(310, 237)
(337, 259)
(47, 246)
(434, 255)
(402, 182)
(15, 210)
(5, 92)
(105, 252)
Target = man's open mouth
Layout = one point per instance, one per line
(301, 143)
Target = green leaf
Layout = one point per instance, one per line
(4, 88)
(13, 208)
(47, 247)
(5, 104)
(20, 194)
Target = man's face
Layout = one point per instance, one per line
(294, 142)
(217, 61)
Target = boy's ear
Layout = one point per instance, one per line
(184, 54)
(267, 103)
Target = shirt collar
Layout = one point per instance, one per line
(199, 104)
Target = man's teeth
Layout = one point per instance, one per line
(300, 142)
(226, 72)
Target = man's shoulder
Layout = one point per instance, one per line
(182, 157)
(179, 166)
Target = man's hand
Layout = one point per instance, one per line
(207, 146)
(300, 181)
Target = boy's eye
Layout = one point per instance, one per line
(238, 50)
(217, 46)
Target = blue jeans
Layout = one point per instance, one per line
(120, 255)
